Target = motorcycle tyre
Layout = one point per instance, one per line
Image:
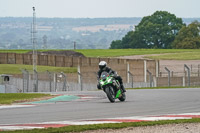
(123, 97)
(109, 94)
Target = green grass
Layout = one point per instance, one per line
(81, 128)
(9, 98)
(115, 52)
(176, 54)
(195, 55)
(19, 51)
(126, 52)
(16, 69)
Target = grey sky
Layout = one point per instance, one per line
(98, 8)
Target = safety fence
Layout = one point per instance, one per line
(54, 82)
(87, 79)
(190, 76)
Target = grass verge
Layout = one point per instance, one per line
(16, 69)
(9, 98)
(80, 128)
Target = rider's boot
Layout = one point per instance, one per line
(122, 87)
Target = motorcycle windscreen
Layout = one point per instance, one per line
(104, 75)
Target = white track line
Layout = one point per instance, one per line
(18, 127)
(15, 106)
(79, 122)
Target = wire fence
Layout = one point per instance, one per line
(54, 82)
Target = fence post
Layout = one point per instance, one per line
(157, 68)
(128, 69)
(80, 80)
(168, 76)
(35, 84)
(50, 78)
(150, 77)
(145, 71)
(55, 82)
(183, 81)
(188, 70)
(131, 78)
(27, 80)
(155, 81)
(23, 80)
(64, 83)
(79, 76)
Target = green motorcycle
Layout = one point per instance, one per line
(111, 87)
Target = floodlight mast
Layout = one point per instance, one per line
(34, 55)
(34, 41)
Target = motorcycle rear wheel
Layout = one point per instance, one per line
(123, 97)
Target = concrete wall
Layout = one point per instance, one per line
(87, 66)
(3, 58)
(175, 81)
(136, 67)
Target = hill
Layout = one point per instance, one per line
(61, 33)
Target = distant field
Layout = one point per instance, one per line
(176, 54)
(16, 69)
(97, 28)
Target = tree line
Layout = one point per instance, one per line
(162, 30)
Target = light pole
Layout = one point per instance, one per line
(34, 41)
(34, 55)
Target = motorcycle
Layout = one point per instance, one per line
(111, 87)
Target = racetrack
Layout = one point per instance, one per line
(147, 102)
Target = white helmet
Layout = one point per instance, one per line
(102, 65)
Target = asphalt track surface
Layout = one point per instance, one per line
(147, 102)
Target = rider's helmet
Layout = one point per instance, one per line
(102, 65)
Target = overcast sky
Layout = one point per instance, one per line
(98, 8)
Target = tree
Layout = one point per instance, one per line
(188, 37)
(155, 31)
(116, 44)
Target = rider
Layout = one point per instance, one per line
(103, 67)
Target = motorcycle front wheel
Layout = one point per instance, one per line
(110, 94)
